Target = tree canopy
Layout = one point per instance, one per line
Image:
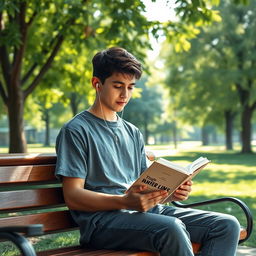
(32, 36)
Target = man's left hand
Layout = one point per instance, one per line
(182, 193)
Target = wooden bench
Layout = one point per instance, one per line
(27, 183)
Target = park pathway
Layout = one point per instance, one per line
(246, 251)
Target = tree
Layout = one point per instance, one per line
(32, 34)
(74, 70)
(146, 110)
(216, 77)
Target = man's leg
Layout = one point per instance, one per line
(218, 233)
(142, 231)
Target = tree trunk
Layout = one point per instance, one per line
(17, 137)
(146, 131)
(214, 136)
(74, 102)
(174, 135)
(246, 129)
(229, 118)
(205, 136)
(47, 128)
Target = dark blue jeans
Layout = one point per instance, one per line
(168, 230)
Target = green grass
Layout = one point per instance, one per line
(43, 243)
(33, 148)
(229, 174)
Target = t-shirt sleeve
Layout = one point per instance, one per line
(71, 154)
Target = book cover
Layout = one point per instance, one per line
(165, 175)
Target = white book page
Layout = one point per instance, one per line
(197, 164)
(189, 169)
(172, 165)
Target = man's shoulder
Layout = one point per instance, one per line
(130, 126)
(79, 121)
(127, 123)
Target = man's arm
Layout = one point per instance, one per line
(78, 198)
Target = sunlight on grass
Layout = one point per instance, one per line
(223, 189)
(36, 148)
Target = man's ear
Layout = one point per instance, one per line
(96, 83)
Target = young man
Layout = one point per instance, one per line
(99, 155)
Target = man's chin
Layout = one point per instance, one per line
(120, 109)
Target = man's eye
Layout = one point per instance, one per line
(117, 87)
(130, 88)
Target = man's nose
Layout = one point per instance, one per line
(124, 93)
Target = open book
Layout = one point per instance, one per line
(166, 175)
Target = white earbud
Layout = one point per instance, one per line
(97, 86)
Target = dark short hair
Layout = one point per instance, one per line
(115, 60)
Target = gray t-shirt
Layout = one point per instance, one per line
(87, 149)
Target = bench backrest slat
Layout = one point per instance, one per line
(13, 201)
(27, 159)
(53, 221)
(27, 174)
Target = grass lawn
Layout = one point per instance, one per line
(229, 174)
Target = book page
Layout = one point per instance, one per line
(172, 165)
(196, 164)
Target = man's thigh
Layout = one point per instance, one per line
(132, 230)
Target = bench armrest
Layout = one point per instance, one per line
(12, 233)
(241, 204)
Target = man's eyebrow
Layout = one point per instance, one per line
(120, 82)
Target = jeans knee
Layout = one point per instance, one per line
(174, 237)
(232, 225)
(176, 229)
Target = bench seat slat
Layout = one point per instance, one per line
(13, 201)
(128, 253)
(77, 250)
(26, 174)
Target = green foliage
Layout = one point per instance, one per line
(145, 111)
(204, 79)
(33, 33)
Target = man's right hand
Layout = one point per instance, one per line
(137, 198)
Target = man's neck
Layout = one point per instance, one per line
(102, 113)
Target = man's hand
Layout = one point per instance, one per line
(182, 193)
(137, 198)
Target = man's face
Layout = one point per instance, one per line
(116, 91)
